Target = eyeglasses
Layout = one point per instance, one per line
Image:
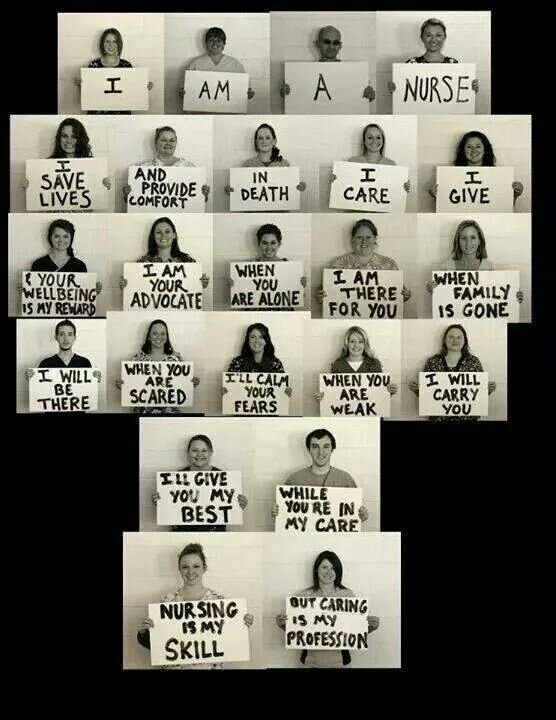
(331, 42)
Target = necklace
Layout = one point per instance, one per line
(326, 477)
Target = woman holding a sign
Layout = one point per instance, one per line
(192, 565)
(257, 354)
(327, 582)
(454, 356)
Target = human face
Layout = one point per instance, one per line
(256, 341)
(164, 235)
(158, 336)
(329, 43)
(166, 143)
(110, 44)
(60, 239)
(269, 245)
(68, 140)
(199, 454)
(474, 151)
(364, 241)
(454, 340)
(192, 569)
(215, 45)
(374, 139)
(433, 38)
(65, 337)
(321, 451)
(264, 140)
(469, 240)
(356, 345)
(326, 573)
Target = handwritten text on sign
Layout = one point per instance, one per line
(157, 384)
(474, 189)
(368, 187)
(63, 390)
(327, 623)
(433, 88)
(267, 284)
(215, 92)
(168, 188)
(74, 184)
(326, 88)
(355, 394)
(318, 509)
(114, 89)
(59, 294)
(198, 631)
(255, 393)
(474, 294)
(260, 189)
(163, 286)
(199, 498)
(453, 394)
(373, 294)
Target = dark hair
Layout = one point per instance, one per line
(64, 225)
(175, 251)
(481, 250)
(268, 351)
(119, 41)
(82, 145)
(65, 322)
(165, 128)
(432, 21)
(269, 229)
(193, 549)
(275, 154)
(202, 438)
(370, 125)
(465, 349)
(147, 346)
(217, 33)
(318, 435)
(489, 159)
(364, 222)
(336, 563)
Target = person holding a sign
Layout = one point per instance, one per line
(327, 582)
(192, 565)
(65, 333)
(475, 150)
(199, 458)
(454, 356)
(257, 354)
(364, 242)
(157, 347)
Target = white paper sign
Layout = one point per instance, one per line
(114, 89)
(474, 189)
(198, 497)
(58, 294)
(482, 295)
(264, 188)
(157, 383)
(173, 189)
(327, 88)
(256, 393)
(428, 88)
(453, 394)
(355, 394)
(215, 92)
(368, 188)
(71, 185)
(163, 286)
(199, 631)
(327, 623)
(267, 284)
(318, 509)
(375, 294)
(63, 390)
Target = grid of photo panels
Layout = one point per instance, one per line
(264, 234)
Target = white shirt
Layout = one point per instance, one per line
(226, 64)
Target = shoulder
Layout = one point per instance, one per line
(81, 361)
(296, 476)
(448, 264)
(486, 264)
(280, 163)
(183, 162)
(177, 356)
(78, 265)
(139, 356)
(345, 592)
(124, 63)
(212, 595)
(342, 261)
(232, 64)
(472, 362)
(341, 478)
(306, 592)
(418, 59)
(41, 263)
(145, 259)
(386, 263)
(357, 159)
(386, 161)
(338, 365)
(48, 361)
(450, 60)
(171, 596)
(96, 63)
(252, 162)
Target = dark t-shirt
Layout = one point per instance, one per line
(55, 361)
(47, 264)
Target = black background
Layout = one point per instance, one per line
(468, 499)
